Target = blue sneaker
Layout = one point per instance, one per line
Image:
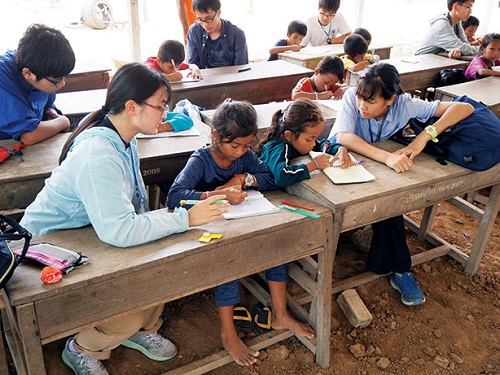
(411, 295)
(152, 345)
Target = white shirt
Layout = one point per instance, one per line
(317, 34)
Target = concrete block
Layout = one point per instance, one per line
(354, 309)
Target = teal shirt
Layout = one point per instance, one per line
(278, 155)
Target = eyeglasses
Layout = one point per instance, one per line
(163, 109)
(328, 15)
(55, 82)
(207, 20)
(466, 6)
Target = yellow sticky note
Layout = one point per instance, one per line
(207, 237)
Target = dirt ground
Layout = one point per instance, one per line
(456, 331)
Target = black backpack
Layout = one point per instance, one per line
(473, 143)
(8, 260)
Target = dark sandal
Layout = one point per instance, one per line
(262, 316)
(242, 318)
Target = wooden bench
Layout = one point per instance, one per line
(392, 194)
(87, 75)
(45, 313)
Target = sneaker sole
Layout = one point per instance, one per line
(147, 353)
(394, 286)
(68, 363)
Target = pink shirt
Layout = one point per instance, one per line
(476, 64)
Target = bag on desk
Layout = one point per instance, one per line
(449, 77)
(8, 259)
(473, 143)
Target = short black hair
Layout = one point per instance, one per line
(364, 33)
(45, 52)
(471, 21)
(460, 2)
(331, 64)
(205, 5)
(298, 27)
(172, 49)
(488, 38)
(355, 45)
(331, 5)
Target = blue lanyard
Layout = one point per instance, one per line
(138, 194)
(379, 133)
(211, 54)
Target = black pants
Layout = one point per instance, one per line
(389, 251)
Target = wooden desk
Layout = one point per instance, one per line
(161, 161)
(421, 73)
(392, 194)
(41, 313)
(265, 114)
(265, 82)
(311, 56)
(485, 90)
(87, 75)
(463, 57)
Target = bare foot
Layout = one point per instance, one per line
(287, 322)
(242, 354)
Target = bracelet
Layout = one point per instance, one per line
(208, 194)
(316, 94)
(242, 181)
(315, 162)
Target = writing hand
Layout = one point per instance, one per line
(205, 212)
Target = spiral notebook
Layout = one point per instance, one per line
(354, 174)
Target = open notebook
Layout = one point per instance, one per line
(254, 204)
(352, 175)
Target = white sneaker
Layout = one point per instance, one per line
(81, 363)
(153, 346)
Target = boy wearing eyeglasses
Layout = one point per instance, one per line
(446, 33)
(29, 78)
(213, 41)
(329, 27)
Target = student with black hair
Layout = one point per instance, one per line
(297, 30)
(356, 57)
(470, 26)
(364, 33)
(29, 78)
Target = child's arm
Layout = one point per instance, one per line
(488, 73)
(54, 124)
(176, 122)
(184, 186)
(336, 149)
(194, 71)
(277, 49)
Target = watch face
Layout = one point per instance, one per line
(329, 41)
(249, 179)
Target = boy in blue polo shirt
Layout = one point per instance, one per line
(29, 79)
(297, 30)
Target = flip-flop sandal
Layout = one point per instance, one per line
(262, 316)
(242, 318)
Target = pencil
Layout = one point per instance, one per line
(196, 201)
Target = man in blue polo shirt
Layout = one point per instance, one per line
(29, 79)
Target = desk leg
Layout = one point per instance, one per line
(30, 337)
(427, 220)
(321, 309)
(483, 234)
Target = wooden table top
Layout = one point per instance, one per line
(484, 90)
(393, 193)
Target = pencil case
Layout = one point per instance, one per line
(55, 256)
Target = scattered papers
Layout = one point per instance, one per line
(185, 77)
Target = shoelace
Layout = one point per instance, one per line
(155, 338)
(90, 363)
(409, 283)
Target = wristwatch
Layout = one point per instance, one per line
(432, 131)
(249, 179)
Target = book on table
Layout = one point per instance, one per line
(351, 175)
(254, 204)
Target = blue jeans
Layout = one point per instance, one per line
(228, 294)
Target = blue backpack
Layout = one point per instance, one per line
(473, 143)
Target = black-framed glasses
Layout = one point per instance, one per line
(466, 6)
(328, 15)
(55, 82)
(207, 20)
(163, 109)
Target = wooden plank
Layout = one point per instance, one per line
(30, 334)
(223, 358)
(427, 220)
(467, 207)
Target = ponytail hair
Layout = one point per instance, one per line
(132, 81)
(298, 115)
(380, 79)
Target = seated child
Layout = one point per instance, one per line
(329, 27)
(228, 167)
(214, 41)
(364, 33)
(481, 66)
(470, 26)
(294, 133)
(324, 82)
(356, 57)
(29, 79)
(170, 61)
(296, 32)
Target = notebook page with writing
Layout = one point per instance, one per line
(352, 175)
(253, 205)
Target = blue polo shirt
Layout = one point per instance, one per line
(22, 106)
